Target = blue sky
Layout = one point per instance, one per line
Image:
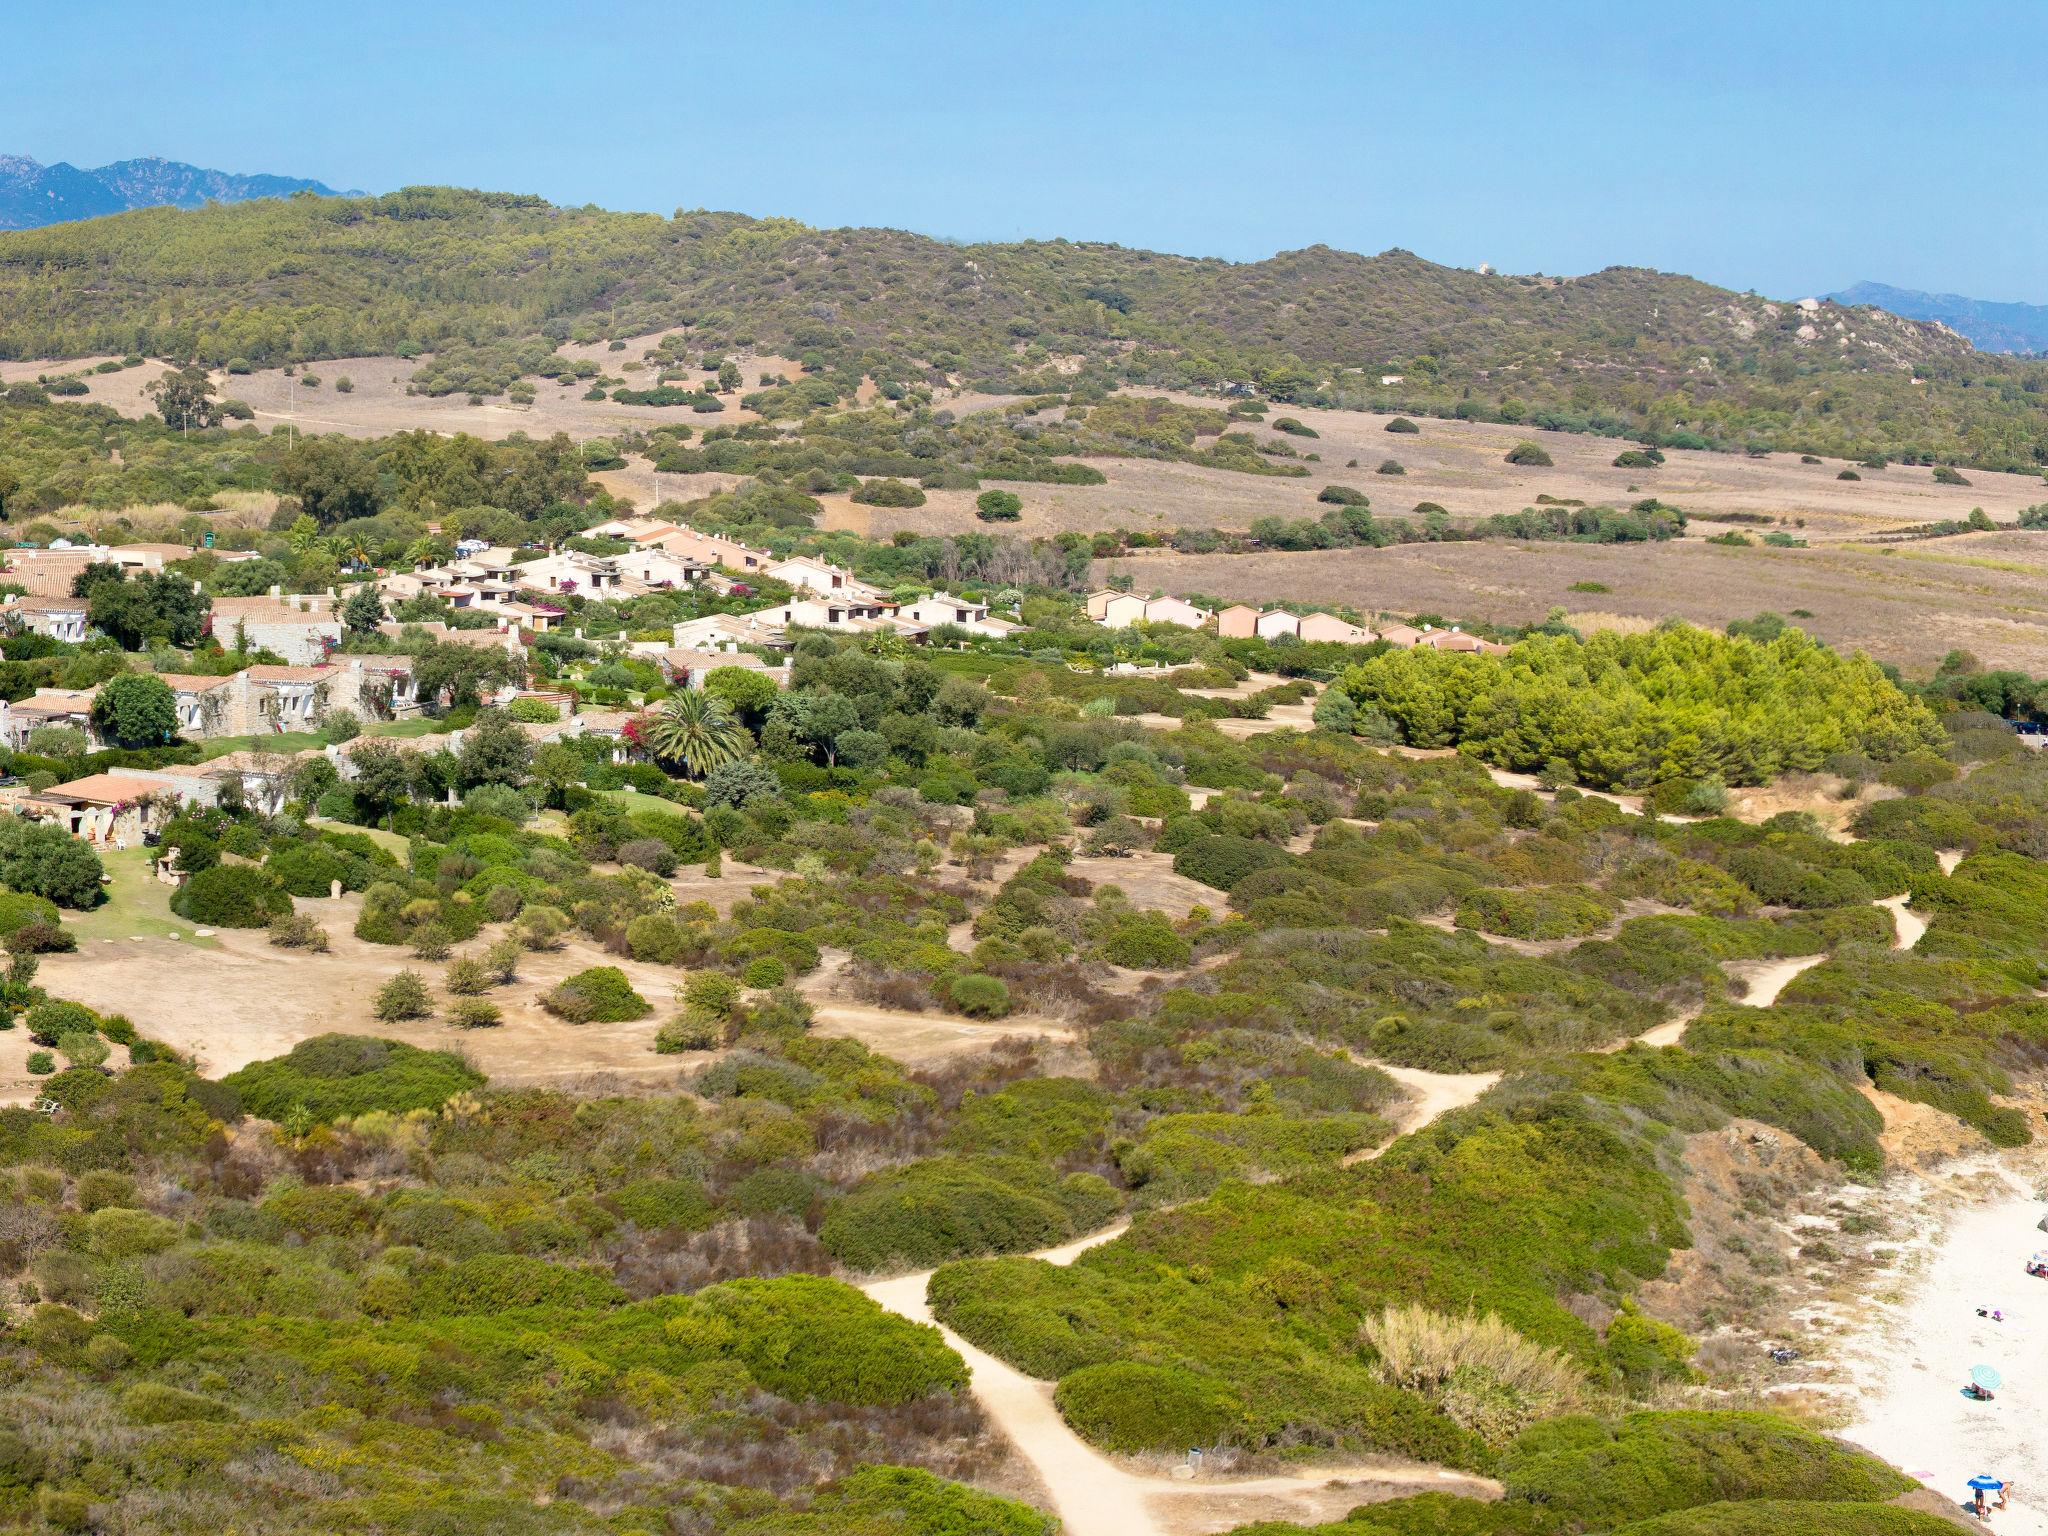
(1791, 148)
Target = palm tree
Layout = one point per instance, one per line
(696, 731)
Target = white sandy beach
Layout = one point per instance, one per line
(1913, 1359)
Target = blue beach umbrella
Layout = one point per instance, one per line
(1984, 1483)
(1985, 1377)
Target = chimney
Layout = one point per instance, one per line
(276, 591)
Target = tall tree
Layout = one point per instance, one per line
(696, 732)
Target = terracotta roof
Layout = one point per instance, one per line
(56, 701)
(250, 761)
(192, 682)
(264, 610)
(105, 789)
(36, 602)
(270, 674)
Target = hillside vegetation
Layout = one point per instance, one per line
(1624, 351)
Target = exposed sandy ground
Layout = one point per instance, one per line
(1917, 1340)
(245, 1000)
(1905, 604)
(1767, 978)
(1460, 466)
(379, 403)
(1148, 879)
(928, 1039)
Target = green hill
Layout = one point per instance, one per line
(1626, 351)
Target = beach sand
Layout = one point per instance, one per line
(1913, 1359)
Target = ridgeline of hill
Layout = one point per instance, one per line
(489, 282)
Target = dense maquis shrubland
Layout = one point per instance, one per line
(489, 282)
(358, 1284)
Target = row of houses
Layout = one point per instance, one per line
(1241, 621)
(124, 807)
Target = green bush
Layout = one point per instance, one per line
(804, 1338)
(1129, 1407)
(232, 896)
(1528, 453)
(664, 1204)
(1652, 1463)
(926, 1213)
(980, 997)
(18, 910)
(1402, 424)
(599, 995)
(1221, 860)
(764, 971)
(1541, 912)
(999, 506)
(491, 1283)
(404, 996)
(152, 1402)
(888, 493)
(116, 1232)
(1789, 1517)
(336, 1075)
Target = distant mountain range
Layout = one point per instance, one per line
(33, 194)
(1993, 327)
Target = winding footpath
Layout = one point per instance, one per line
(1095, 1495)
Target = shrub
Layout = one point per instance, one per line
(1946, 474)
(231, 896)
(1222, 859)
(336, 1075)
(1343, 496)
(803, 1337)
(475, 1013)
(151, 1402)
(117, 1232)
(430, 941)
(942, 1208)
(1529, 454)
(1652, 1463)
(599, 995)
(404, 996)
(649, 853)
(541, 928)
(1848, 474)
(1390, 467)
(764, 971)
(1402, 424)
(688, 1032)
(888, 493)
(54, 1017)
(1635, 458)
(999, 506)
(1294, 427)
(501, 960)
(490, 1283)
(41, 1063)
(18, 911)
(1130, 1407)
(1540, 912)
(321, 1210)
(298, 931)
(38, 859)
(981, 997)
(664, 1204)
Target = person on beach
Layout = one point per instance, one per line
(1975, 1505)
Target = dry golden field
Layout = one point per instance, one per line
(1904, 604)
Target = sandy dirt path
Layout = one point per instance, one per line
(1914, 1356)
(1096, 1496)
(1907, 925)
(1767, 978)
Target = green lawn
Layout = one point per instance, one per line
(259, 741)
(137, 904)
(634, 800)
(398, 844)
(299, 741)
